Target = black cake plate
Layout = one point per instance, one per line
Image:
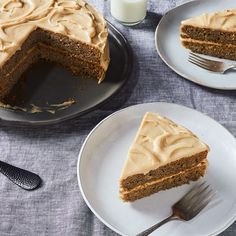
(47, 83)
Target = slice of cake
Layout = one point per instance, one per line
(163, 155)
(212, 34)
(68, 32)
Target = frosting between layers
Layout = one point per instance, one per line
(205, 42)
(200, 166)
(225, 20)
(73, 18)
(159, 141)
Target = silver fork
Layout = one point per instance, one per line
(187, 207)
(211, 65)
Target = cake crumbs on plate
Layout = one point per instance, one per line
(50, 108)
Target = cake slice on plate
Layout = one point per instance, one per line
(212, 34)
(163, 155)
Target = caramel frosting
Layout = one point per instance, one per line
(158, 142)
(225, 20)
(208, 43)
(73, 18)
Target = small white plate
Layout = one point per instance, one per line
(168, 45)
(102, 156)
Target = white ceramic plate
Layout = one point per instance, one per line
(104, 151)
(176, 57)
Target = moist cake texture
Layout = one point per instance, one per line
(183, 177)
(212, 34)
(163, 155)
(68, 32)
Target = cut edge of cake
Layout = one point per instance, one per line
(183, 177)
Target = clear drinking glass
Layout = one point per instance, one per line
(129, 12)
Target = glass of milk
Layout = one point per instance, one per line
(129, 12)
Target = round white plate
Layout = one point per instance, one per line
(167, 40)
(104, 152)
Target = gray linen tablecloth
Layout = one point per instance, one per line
(58, 207)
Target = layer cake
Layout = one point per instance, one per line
(69, 32)
(163, 155)
(212, 34)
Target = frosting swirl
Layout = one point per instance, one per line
(73, 18)
(225, 20)
(158, 142)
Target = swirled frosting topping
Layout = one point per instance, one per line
(73, 18)
(225, 20)
(159, 141)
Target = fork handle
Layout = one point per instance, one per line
(154, 227)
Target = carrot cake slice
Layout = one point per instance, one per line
(163, 155)
(212, 34)
(69, 32)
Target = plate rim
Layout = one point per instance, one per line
(127, 75)
(182, 74)
(79, 179)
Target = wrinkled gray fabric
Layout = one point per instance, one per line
(58, 207)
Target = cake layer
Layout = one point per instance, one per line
(227, 51)
(73, 62)
(149, 188)
(82, 50)
(159, 142)
(163, 171)
(8, 81)
(208, 34)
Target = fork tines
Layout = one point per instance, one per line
(204, 63)
(198, 197)
(198, 62)
(188, 206)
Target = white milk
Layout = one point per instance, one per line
(129, 12)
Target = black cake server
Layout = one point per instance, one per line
(23, 178)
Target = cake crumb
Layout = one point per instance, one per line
(50, 108)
